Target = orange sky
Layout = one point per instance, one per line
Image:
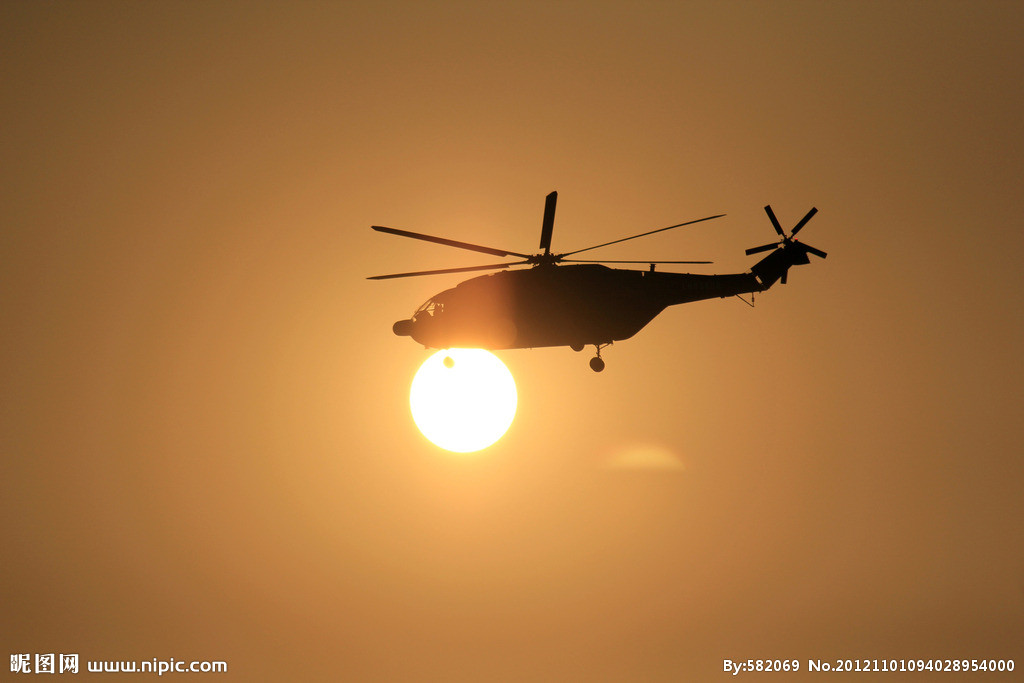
(207, 449)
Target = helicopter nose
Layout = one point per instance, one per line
(403, 328)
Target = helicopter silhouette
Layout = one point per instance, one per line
(577, 305)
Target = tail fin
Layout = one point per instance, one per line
(775, 266)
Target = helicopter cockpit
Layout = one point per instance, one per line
(431, 308)
(429, 311)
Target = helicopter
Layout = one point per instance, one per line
(586, 303)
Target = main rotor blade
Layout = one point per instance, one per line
(576, 260)
(448, 242)
(816, 252)
(643, 234)
(774, 220)
(549, 222)
(763, 247)
(493, 266)
(803, 221)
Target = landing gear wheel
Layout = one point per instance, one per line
(575, 347)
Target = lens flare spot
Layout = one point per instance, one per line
(647, 458)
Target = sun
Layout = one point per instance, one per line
(463, 400)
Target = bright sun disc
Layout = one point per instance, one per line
(465, 407)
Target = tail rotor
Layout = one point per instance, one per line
(787, 251)
(798, 251)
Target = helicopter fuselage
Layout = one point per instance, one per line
(550, 305)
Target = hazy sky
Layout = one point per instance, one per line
(207, 451)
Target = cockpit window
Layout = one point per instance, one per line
(431, 308)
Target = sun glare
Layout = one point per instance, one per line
(463, 400)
